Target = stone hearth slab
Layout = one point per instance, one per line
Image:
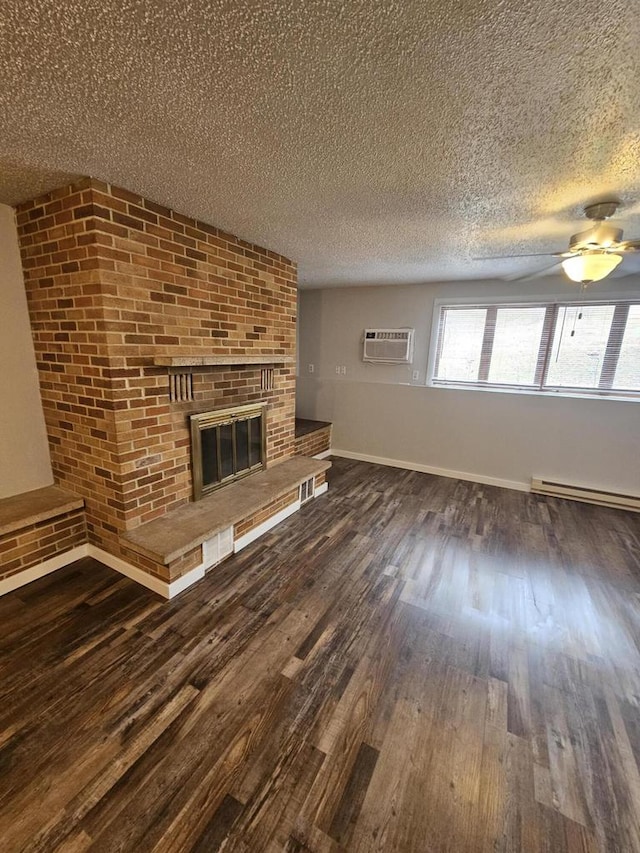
(38, 505)
(304, 426)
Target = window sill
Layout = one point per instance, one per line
(576, 395)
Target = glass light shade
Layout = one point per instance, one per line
(590, 266)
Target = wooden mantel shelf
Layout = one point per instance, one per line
(212, 360)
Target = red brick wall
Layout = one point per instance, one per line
(274, 507)
(113, 280)
(315, 442)
(65, 293)
(168, 573)
(21, 549)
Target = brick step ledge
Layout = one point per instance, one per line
(181, 530)
(305, 426)
(30, 508)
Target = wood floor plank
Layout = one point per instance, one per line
(196, 816)
(492, 790)
(276, 801)
(410, 663)
(218, 828)
(522, 830)
(109, 775)
(447, 768)
(348, 809)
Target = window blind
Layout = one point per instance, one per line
(590, 347)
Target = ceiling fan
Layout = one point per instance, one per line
(592, 254)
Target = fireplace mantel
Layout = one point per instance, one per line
(213, 360)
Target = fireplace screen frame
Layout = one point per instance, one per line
(214, 419)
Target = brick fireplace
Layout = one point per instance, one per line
(141, 317)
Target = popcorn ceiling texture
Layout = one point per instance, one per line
(372, 142)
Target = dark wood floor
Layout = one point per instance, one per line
(410, 663)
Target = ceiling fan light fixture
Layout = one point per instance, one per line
(590, 266)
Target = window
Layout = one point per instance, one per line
(627, 374)
(591, 348)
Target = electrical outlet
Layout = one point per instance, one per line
(311, 368)
(337, 368)
(343, 370)
(416, 375)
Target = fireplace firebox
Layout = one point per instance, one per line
(226, 445)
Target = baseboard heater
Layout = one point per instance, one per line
(586, 495)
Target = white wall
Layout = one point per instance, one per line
(381, 411)
(24, 452)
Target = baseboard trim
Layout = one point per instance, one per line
(430, 469)
(242, 541)
(129, 571)
(163, 588)
(324, 455)
(42, 569)
(166, 590)
(186, 580)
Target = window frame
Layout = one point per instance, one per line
(552, 305)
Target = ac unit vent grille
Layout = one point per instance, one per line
(390, 346)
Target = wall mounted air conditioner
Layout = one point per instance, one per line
(388, 346)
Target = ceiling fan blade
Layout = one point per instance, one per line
(531, 275)
(629, 266)
(508, 257)
(628, 246)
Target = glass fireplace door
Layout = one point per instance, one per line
(226, 445)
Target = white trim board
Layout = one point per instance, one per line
(439, 472)
(42, 569)
(323, 455)
(166, 590)
(321, 489)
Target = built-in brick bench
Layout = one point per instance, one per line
(313, 438)
(43, 530)
(191, 539)
(40, 531)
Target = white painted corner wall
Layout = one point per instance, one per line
(24, 450)
(380, 413)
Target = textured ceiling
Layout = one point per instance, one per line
(370, 141)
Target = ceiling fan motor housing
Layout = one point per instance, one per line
(600, 236)
(601, 209)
